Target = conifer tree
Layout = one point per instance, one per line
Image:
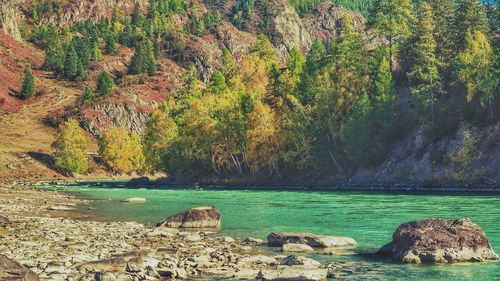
(96, 54)
(143, 60)
(384, 84)
(393, 19)
(87, 94)
(445, 42)
(104, 84)
(28, 88)
(424, 75)
(476, 67)
(470, 17)
(137, 17)
(72, 63)
(110, 44)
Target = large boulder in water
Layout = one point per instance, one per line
(439, 241)
(200, 217)
(278, 239)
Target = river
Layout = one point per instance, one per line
(368, 217)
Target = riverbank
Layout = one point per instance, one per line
(55, 236)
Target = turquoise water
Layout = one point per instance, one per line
(369, 218)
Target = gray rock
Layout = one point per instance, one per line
(293, 273)
(278, 239)
(292, 247)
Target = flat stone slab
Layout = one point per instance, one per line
(278, 239)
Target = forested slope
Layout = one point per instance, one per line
(267, 91)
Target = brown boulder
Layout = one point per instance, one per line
(13, 271)
(439, 241)
(200, 217)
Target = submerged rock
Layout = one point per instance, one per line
(135, 200)
(439, 241)
(290, 273)
(251, 240)
(293, 247)
(278, 239)
(200, 217)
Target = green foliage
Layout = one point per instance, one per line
(303, 6)
(73, 67)
(476, 68)
(242, 12)
(70, 148)
(393, 19)
(470, 17)
(104, 84)
(28, 88)
(143, 60)
(110, 46)
(424, 75)
(87, 94)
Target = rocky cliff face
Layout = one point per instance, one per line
(9, 17)
(472, 154)
(76, 10)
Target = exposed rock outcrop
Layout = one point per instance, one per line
(439, 241)
(278, 239)
(286, 30)
(75, 10)
(200, 217)
(9, 17)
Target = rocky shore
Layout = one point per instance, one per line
(46, 236)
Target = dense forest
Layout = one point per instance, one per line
(337, 107)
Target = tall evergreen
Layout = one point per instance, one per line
(470, 17)
(424, 75)
(143, 60)
(110, 44)
(96, 54)
(104, 84)
(137, 17)
(384, 84)
(72, 63)
(28, 88)
(445, 42)
(393, 19)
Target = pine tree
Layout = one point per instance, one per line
(445, 42)
(137, 17)
(393, 19)
(104, 84)
(72, 64)
(28, 88)
(54, 57)
(87, 94)
(384, 84)
(110, 44)
(143, 60)
(476, 66)
(96, 52)
(470, 17)
(424, 75)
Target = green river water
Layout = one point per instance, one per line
(368, 217)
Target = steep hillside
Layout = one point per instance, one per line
(257, 91)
